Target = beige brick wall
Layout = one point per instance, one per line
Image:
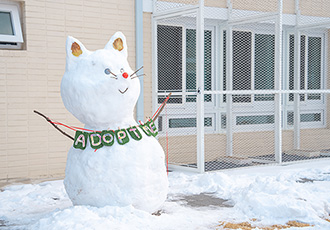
(30, 79)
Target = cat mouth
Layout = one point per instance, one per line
(122, 92)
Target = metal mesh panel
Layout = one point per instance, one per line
(178, 135)
(169, 51)
(249, 119)
(252, 116)
(313, 12)
(311, 139)
(176, 70)
(164, 5)
(305, 115)
(247, 8)
(255, 6)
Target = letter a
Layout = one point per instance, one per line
(80, 140)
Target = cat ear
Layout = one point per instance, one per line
(74, 50)
(118, 43)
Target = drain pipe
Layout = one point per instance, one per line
(139, 55)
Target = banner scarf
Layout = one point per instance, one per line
(98, 139)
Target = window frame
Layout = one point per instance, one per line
(184, 91)
(179, 131)
(306, 63)
(307, 106)
(254, 32)
(179, 110)
(13, 41)
(213, 67)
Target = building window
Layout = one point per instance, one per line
(169, 61)
(175, 75)
(191, 63)
(6, 25)
(310, 74)
(242, 52)
(10, 26)
(253, 65)
(188, 122)
(304, 117)
(314, 66)
(255, 120)
(264, 65)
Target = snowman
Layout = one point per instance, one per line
(100, 89)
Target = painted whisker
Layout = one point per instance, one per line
(136, 71)
(138, 76)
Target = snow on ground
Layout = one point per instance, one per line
(267, 195)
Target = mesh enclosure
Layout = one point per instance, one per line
(176, 70)
(165, 5)
(264, 93)
(249, 9)
(312, 12)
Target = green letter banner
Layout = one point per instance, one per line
(80, 140)
(152, 128)
(146, 129)
(95, 140)
(134, 133)
(108, 137)
(122, 136)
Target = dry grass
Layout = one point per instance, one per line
(248, 226)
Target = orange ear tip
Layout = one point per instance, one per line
(118, 44)
(76, 50)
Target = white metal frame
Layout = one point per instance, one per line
(172, 13)
(183, 92)
(200, 87)
(297, 107)
(177, 110)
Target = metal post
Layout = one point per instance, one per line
(139, 55)
(278, 84)
(297, 79)
(219, 71)
(229, 84)
(200, 85)
(154, 61)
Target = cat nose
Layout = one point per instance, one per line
(125, 75)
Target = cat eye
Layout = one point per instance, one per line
(107, 71)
